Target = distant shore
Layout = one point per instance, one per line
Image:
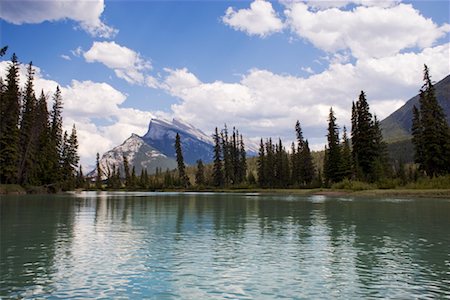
(13, 189)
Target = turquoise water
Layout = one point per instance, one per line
(230, 246)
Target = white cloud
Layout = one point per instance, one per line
(86, 12)
(126, 63)
(266, 104)
(367, 31)
(77, 52)
(325, 4)
(65, 57)
(260, 19)
(308, 70)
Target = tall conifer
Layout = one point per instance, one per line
(184, 180)
(217, 167)
(431, 133)
(332, 167)
(9, 125)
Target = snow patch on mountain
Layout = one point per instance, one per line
(139, 154)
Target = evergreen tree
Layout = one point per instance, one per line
(81, 182)
(367, 142)
(9, 125)
(294, 165)
(242, 164)
(133, 178)
(56, 137)
(417, 138)
(381, 162)
(298, 160)
(200, 174)
(28, 139)
(333, 163)
(3, 51)
(431, 133)
(70, 159)
(227, 156)
(217, 167)
(261, 165)
(184, 180)
(269, 170)
(307, 171)
(41, 169)
(346, 156)
(98, 178)
(126, 168)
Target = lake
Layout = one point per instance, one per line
(223, 246)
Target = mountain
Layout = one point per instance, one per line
(139, 154)
(195, 144)
(397, 126)
(156, 149)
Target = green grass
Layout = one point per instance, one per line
(11, 189)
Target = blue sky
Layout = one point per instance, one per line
(257, 65)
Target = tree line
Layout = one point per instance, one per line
(228, 169)
(34, 150)
(358, 155)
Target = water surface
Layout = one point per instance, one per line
(219, 246)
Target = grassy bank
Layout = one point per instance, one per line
(11, 189)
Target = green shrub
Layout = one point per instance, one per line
(423, 183)
(347, 184)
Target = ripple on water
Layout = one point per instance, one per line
(228, 247)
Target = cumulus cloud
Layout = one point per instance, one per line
(86, 12)
(95, 109)
(266, 104)
(325, 4)
(126, 63)
(260, 19)
(366, 31)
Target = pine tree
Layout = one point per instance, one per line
(227, 156)
(293, 165)
(28, 139)
(81, 182)
(346, 156)
(41, 169)
(242, 164)
(56, 137)
(308, 170)
(332, 167)
(262, 181)
(298, 160)
(365, 140)
(126, 168)
(217, 167)
(3, 51)
(9, 125)
(381, 162)
(70, 159)
(184, 180)
(269, 170)
(417, 138)
(200, 174)
(431, 133)
(98, 178)
(133, 178)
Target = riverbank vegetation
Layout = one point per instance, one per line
(34, 150)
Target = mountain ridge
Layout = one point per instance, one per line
(397, 126)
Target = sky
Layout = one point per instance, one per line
(256, 65)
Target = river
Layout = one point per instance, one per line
(223, 246)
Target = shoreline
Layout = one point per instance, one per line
(415, 193)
